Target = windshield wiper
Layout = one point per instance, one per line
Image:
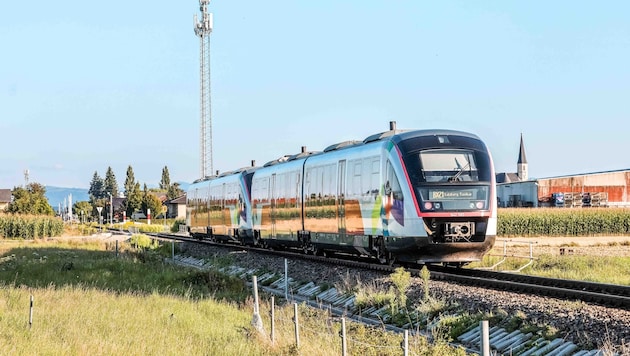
(455, 178)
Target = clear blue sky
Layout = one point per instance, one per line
(87, 85)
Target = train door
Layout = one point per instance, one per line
(341, 198)
(272, 204)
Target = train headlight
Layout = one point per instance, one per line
(479, 205)
(432, 206)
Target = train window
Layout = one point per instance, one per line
(354, 172)
(392, 185)
(448, 166)
(370, 181)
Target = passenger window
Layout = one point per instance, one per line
(392, 185)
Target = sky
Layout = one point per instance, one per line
(89, 85)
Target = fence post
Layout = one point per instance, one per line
(273, 321)
(30, 314)
(405, 344)
(344, 346)
(297, 328)
(173, 249)
(485, 338)
(256, 320)
(286, 280)
(116, 248)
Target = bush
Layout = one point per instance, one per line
(176, 224)
(144, 242)
(150, 228)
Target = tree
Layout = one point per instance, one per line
(110, 186)
(130, 181)
(150, 201)
(174, 191)
(83, 209)
(30, 200)
(133, 200)
(97, 188)
(165, 183)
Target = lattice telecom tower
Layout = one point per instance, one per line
(203, 28)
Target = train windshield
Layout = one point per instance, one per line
(448, 166)
(450, 179)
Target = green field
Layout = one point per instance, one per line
(87, 301)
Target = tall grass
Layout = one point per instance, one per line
(29, 226)
(89, 302)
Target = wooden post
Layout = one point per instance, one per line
(286, 280)
(405, 344)
(116, 248)
(297, 327)
(485, 338)
(30, 314)
(344, 345)
(173, 249)
(256, 320)
(273, 321)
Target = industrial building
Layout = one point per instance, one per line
(599, 189)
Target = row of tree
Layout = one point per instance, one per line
(103, 191)
(31, 199)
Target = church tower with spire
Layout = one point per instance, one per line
(521, 165)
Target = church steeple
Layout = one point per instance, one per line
(522, 163)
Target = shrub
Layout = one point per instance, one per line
(176, 224)
(144, 242)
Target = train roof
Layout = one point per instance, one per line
(402, 134)
(343, 144)
(435, 132)
(228, 173)
(397, 135)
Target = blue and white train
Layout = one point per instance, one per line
(422, 196)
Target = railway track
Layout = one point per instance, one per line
(608, 295)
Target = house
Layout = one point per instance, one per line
(5, 198)
(176, 207)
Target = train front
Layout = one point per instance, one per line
(451, 179)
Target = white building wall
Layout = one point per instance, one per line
(518, 194)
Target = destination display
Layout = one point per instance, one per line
(441, 194)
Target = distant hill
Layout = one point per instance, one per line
(56, 195)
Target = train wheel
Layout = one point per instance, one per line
(384, 257)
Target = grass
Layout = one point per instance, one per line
(88, 301)
(585, 268)
(76, 320)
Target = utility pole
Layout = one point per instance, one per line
(203, 29)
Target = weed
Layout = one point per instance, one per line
(425, 275)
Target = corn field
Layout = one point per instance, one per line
(29, 227)
(563, 222)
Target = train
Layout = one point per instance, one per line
(409, 196)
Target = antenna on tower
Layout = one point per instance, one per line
(203, 28)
